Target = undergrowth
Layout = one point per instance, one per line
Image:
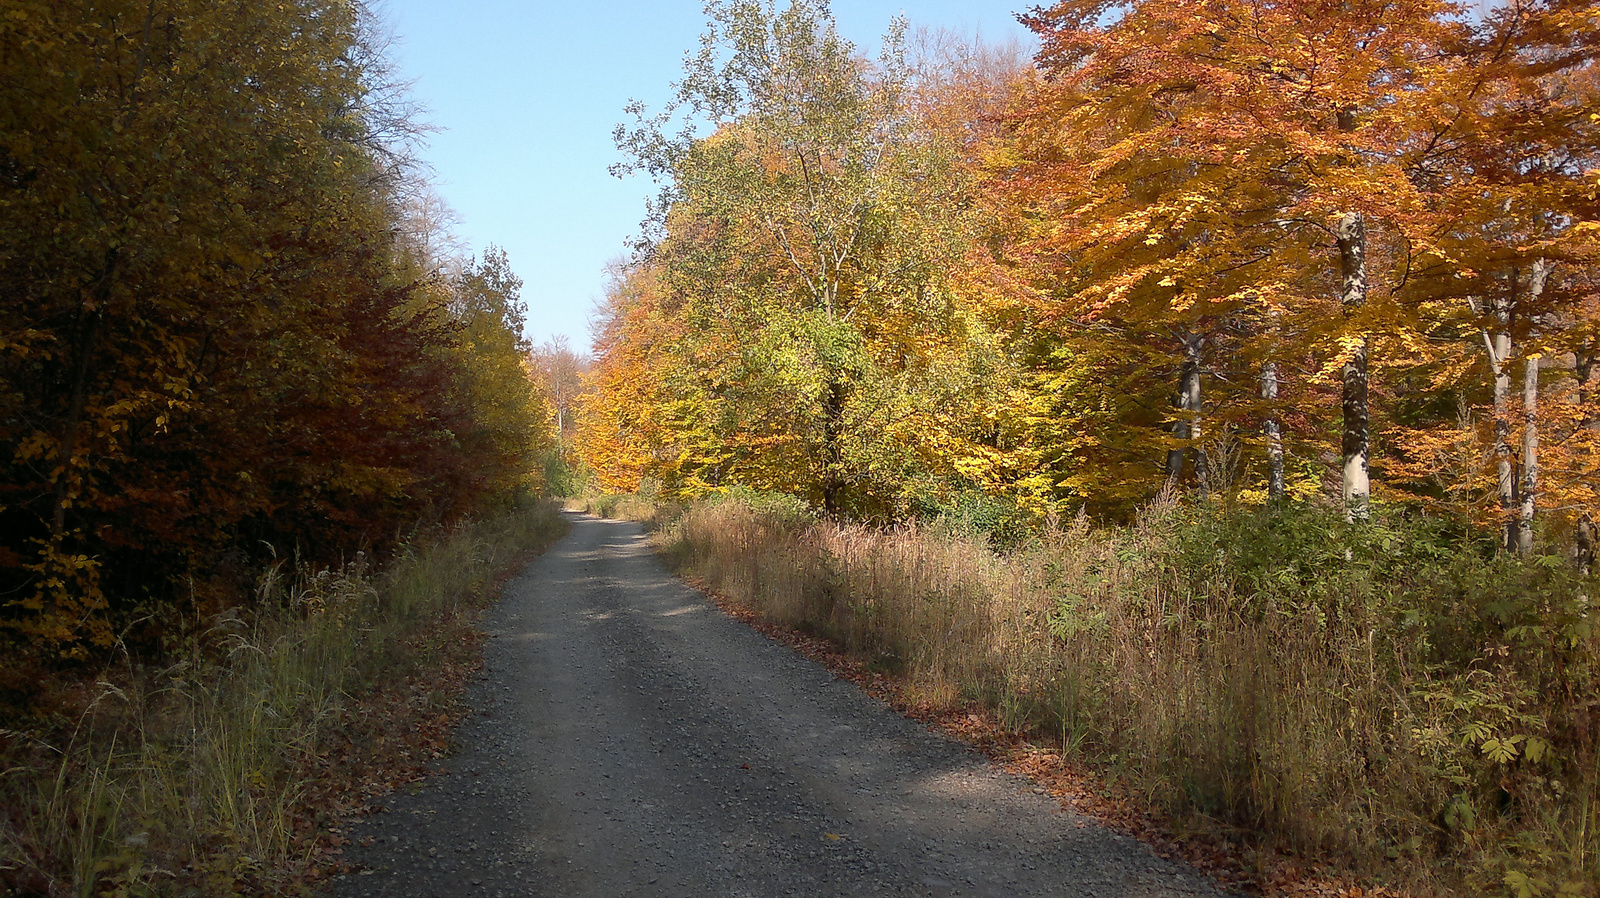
(1398, 698)
(218, 772)
(644, 506)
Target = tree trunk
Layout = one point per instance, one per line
(68, 449)
(1498, 346)
(1530, 418)
(1187, 401)
(1274, 433)
(1529, 486)
(1357, 437)
(96, 296)
(1588, 389)
(833, 450)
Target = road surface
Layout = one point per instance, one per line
(629, 739)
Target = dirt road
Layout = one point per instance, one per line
(630, 739)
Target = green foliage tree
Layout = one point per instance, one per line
(809, 238)
(510, 424)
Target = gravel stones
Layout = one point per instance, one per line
(630, 739)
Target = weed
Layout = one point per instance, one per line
(201, 776)
(1398, 698)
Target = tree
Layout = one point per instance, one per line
(509, 422)
(621, 435)
(1228, 168)
(807, 239)
(1506, 172)
(559, 373)
(213, 345)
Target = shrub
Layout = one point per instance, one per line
(209, 775)
(1398, 697)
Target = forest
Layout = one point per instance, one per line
(226, 337)
(1215, 387)
(1265, 251)
(1209, 393)
(252, 401)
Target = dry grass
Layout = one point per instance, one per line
(643, 509)
(1327, 695)
(212, 775)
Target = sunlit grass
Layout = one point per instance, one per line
(1235, 668)
(620, 507)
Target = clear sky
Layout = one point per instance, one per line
(526, 95)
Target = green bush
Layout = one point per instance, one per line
(975, 513)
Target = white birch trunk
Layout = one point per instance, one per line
(1357, 437)
(1498, 345)
(1274, 433)
(1530, 419)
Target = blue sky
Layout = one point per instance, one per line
(526, 94)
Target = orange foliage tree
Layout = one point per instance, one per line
(1276, 193)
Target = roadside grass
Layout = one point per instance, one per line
(230, 769)
(1397, 700)
(639, 507)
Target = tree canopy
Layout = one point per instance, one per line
(1255, 248)
(218, 341)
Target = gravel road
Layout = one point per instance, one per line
(630, 739)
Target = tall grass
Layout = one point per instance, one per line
(1397, 697)
(202, 777)
(644, 508)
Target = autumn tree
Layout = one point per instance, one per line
(806, 240)
(212, 345)
(623, 432)
(1522, 171)
(509, 421)
(558, 371)
(1234, 173)
(558, 375)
